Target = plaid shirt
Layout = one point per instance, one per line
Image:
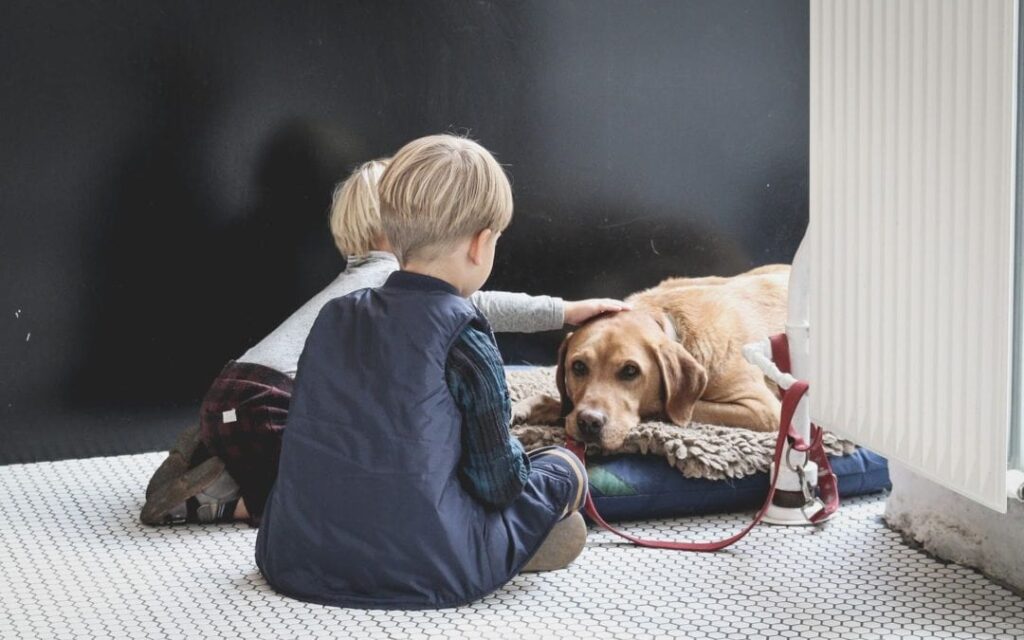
(494, 466)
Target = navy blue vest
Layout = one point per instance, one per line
(368, 510)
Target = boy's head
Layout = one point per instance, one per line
(440, 191)
(355, 210)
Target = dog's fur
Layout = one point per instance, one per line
(677, 353)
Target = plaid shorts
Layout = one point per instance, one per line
(242, 420)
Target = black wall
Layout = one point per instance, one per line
(166, 167)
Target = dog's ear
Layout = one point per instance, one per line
(560, 377)
(683, 381)
(665, 322)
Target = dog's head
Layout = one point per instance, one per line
(620, 368)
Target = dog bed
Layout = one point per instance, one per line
(666, 470)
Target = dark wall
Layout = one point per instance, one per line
(165, 171)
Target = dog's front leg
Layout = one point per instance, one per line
(756, 414)
(537, 409)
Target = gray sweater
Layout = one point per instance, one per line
(504, 311)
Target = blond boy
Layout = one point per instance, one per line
(399, 485)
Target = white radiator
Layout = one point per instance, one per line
(913, 109)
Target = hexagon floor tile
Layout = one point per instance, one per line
(75, 563)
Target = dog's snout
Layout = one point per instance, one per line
(590, 422)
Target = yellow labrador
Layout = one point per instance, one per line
(676, 354)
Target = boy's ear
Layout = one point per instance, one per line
(477, 243)
(560, 377)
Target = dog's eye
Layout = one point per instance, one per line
(579, 369)
(629, 372)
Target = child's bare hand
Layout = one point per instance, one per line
(580, 311)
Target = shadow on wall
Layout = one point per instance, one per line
(170, 280)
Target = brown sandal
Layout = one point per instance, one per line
(176, 491)
(177, 461)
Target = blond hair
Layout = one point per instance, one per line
(439, 190)
(355, 210)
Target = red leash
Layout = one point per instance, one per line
(827, 485)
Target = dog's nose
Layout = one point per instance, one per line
(590, 422)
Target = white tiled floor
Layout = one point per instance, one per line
(75, 563)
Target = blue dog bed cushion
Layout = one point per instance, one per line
(636, 486)
(667, 471)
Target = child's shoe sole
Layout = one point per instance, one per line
(172, 493)
(563, 545)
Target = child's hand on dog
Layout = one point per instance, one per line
(580, 311)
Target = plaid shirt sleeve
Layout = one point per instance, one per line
(494, 468)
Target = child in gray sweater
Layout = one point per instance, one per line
(222, 470)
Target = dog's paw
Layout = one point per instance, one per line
(537, 409)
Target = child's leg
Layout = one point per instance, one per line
(243, 419)
(566, 541)
(235, 451)
(562, 458)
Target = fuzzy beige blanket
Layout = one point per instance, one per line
(697, 450)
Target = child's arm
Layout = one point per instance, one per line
(494, 466)
(519, 312)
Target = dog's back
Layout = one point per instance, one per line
(742, 308)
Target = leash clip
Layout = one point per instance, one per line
(813, 505)
(805, 486)
(797, 469)
(818, 505)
